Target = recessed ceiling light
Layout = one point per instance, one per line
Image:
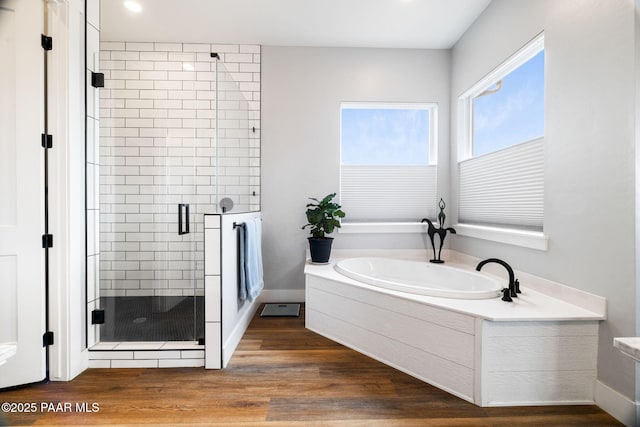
(133, 6)
(187, 67)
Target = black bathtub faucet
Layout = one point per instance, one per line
(514, 284)
(440, 231)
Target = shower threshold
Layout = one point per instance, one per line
(146, 354)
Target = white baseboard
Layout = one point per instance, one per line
(618, 405)
(282, 295)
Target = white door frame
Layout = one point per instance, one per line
(66, 24)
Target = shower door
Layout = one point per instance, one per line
(157, 178)
(152, 250)
(155, 274)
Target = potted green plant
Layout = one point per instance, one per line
(322, 217)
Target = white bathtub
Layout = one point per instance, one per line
(463, 346)
(422, 278)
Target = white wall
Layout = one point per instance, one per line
(301, 93)
(590, 162)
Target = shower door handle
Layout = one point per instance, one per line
(181, 229)
(186, 214)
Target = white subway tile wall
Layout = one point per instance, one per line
(159, 147)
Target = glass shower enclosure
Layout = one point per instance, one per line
(179, 148)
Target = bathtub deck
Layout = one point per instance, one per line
(460, 345)
(540, 301)
(281, 375)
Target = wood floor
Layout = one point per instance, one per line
(281, 375)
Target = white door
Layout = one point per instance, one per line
(22, 301)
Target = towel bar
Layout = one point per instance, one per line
(237, 224)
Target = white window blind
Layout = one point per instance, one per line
(505, 187)
(388, 161)
(384, 193)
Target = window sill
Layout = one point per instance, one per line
(526, 239)
(382, 227)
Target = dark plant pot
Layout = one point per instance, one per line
(320, 249)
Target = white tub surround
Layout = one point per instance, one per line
(539, 349)
(629, 346)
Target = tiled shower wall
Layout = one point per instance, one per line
(158, 148)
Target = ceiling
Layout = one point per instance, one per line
(426, 24)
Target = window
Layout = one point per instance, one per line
(501, 149)
(511, 110)
(388, 161)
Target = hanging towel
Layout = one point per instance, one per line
(242, 262)
(253, 258)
